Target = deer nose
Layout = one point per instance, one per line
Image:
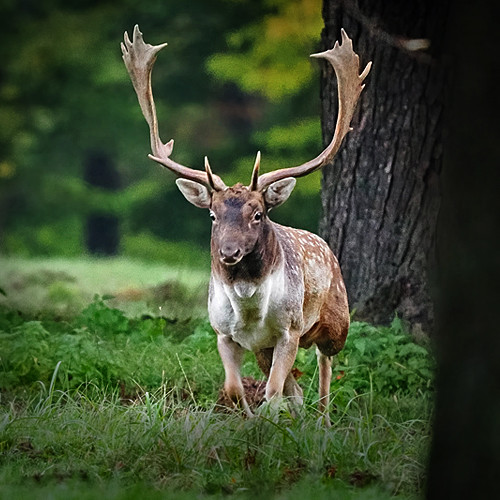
(229, 254)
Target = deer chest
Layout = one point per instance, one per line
(253, 315)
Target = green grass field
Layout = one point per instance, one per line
(109, 379)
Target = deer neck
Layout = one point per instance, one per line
(256, 265)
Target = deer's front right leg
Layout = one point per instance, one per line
(284, 355)
(231, 354)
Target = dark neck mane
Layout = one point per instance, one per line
(256, 265)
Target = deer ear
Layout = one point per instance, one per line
(194, 192)
(278, 192)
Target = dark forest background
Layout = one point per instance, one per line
(74, 174)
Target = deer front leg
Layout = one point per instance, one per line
(291, 388)
(231, 354)
(284, 355)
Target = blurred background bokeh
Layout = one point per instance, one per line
(74, 174)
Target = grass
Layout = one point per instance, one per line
(65, 285)
(101, 403)
(172, 447)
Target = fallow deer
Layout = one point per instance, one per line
(272, 289)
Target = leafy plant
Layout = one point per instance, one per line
(386, 360)
(25, 354)
(104, 347)
(102, 320)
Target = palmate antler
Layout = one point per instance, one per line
(139, 58)
(345, 62)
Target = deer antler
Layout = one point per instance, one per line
(139, 58)
(345, 62)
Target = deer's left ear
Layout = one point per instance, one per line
(194, 192)
(278, 192)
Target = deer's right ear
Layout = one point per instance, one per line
(194, 192)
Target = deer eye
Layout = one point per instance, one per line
(257, 216)
(212, 216)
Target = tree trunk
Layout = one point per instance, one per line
(381, 196)
(465, 457)
(102, 232)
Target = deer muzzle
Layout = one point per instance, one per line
(230, 254)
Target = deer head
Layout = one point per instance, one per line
(239, 214)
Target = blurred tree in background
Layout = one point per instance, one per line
(235, 78)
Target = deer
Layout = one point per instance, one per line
(272, 288)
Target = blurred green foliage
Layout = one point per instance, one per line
(234, 78)
(273, 62)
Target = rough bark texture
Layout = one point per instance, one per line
(381, 196)
(465, 456)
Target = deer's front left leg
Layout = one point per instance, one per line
(231, 354)
(284, 355)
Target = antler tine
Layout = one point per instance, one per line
(139, 58)
(254, 183)
(345, 63)
(210, 175)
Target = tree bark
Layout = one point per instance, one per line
(381, 196)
